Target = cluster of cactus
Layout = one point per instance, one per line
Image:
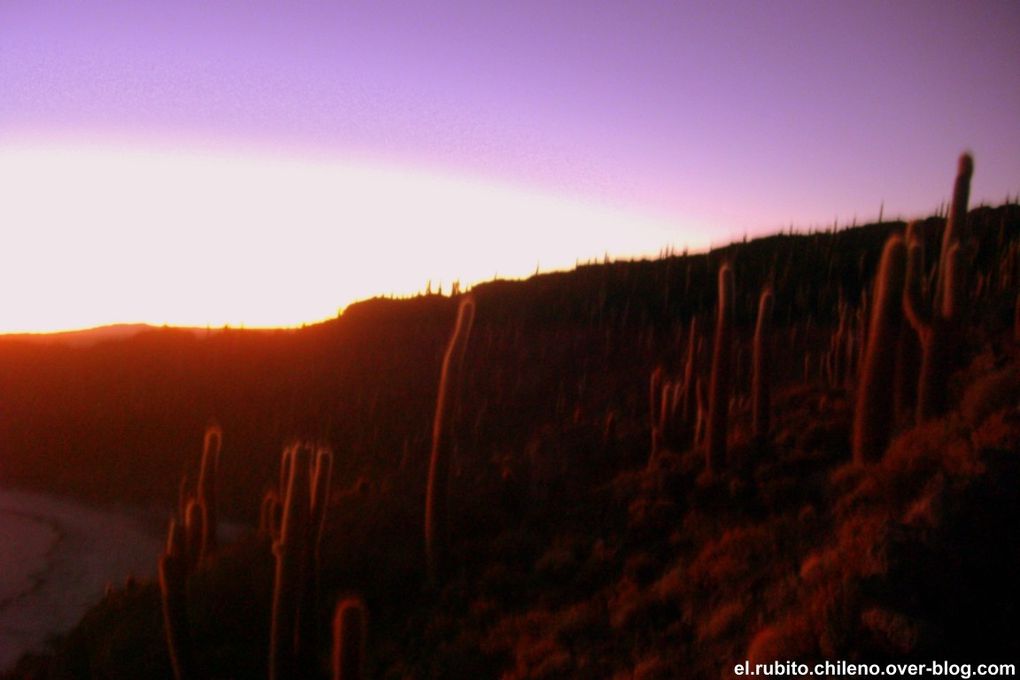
(841, 362)
(680, 414)
(935, 319)
(719, 385)
(437, 529)
(673, 405)
(306, 472)
(191, 537)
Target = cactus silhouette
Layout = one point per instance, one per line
(173, 580)
(719, 386)
(196, 531)
(208, 479)
(349, 623)
(291, 553)
(437, 528)
(937, 324)
(875, 413)
(761, 406)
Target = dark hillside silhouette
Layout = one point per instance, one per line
(585, 539)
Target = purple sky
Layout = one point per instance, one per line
(743, 116)
(747, 114)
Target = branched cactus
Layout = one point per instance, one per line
(719, 387)
(349, 632)
(760, 397)
(875, 413)
(173, 582)
(937, 324)
(437, 527)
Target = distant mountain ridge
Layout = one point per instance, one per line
(86, 337)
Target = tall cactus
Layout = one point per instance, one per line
(173, 582)
(938, 325)
(760, 396)
(208, 479)
(719, 387)
(437, 495)
(956, 221)
(349, 632)
(291, 552)
(689, 406)
(875, 413)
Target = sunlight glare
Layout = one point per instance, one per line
(102, 235)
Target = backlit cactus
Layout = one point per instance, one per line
(208, 479)
(349, 632)
(437, 494)
(173, 582)
(760, 394)
(874, 415)
(719, 387)
(291, 552)
(937, 324)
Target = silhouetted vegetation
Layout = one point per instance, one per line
(569, 547)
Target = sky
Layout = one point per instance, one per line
(265, 163)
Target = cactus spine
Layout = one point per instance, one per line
(719, 387)
(437, 501)
(875, 413)
(349, 624)
(937, 324)
(761, 405)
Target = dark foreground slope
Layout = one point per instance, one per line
(576, 552)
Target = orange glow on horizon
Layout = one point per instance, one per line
(102, 235)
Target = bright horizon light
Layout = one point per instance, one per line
(100, 235)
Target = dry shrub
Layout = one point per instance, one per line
(894, 631)
(653, 667)
(990, 393)
(726, 618)
(627, 603)
(1000, 431)
(672, 585)
(790, 639)
(734, 556)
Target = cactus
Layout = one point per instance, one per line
(349, 624)
(268, 520)
(689, 406)
(875, 414)
(655, 408)
(719, 387)
(761, 407)
(1016, 320)
(937, 324)
(308, 614)
(436, 501)
(196, 533)
(173, 579)
(207, 482)
(957, 218)
(291, 552)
